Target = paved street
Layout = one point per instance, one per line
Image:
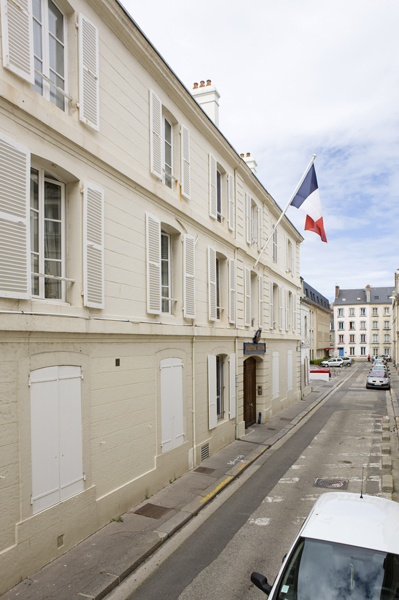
(255, 527)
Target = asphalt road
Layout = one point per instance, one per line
(255, 527)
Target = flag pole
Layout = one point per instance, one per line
(286, 208)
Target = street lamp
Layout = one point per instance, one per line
(394, 297)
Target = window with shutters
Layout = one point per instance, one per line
(49, 37)
(275, 246)
(220, 386)
(254, 220)
(168, 153)
(221, 193)
(166, 273)
(47, 239)
(218, 285)
(289, 256)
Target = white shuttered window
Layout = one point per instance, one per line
(153, 226)
(232, 291)
(93, 246)
(294, 312)
(280, 304)
(287, 310)
(89, 85)
(212, 282)
(249, 218)
(271, 316)
(17, 35)
(232, 385)
(156, 135)
(189, 277)
(171, 403)
(248, 302)
(212, 407)
(260, 301)
(212, 187)
(230, 185)
(185, 163)
(14, 219)
(260, 226)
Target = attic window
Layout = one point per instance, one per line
(343, 299)
(358, 298)
(376, 297)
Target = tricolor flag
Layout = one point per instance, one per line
(307, 199)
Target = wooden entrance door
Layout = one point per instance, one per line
(249, 391)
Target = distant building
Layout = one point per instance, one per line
(363, 321)
(319, 321)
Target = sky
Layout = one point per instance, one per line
(297, 78)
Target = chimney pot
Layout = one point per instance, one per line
(196, 86)
(242, 156)
(208, 82)
(202, 83)
(248, 154)
(336, 291)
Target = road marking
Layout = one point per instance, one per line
(217, 488)
(261, 521)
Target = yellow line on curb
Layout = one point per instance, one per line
(215, 491)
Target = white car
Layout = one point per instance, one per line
(333, 362)
(347, 549)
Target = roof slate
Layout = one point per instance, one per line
(378, 295)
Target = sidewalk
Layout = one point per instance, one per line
(98, 564)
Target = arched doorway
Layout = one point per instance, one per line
(249, 391)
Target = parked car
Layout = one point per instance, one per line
(347, 361)
(378, 378)
(348, 549)
(317, 369)
(332, 362)
(387, 357)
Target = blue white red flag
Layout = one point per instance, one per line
(307, 199)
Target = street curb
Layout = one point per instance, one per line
(98, 590)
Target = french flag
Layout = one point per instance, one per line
(307, 199)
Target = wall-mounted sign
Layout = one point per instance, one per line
(251, 348)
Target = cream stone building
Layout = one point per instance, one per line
(319, 321)
(129, 230)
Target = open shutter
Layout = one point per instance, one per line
(248, 210)
(212, 187)
(247, 316)
(260, 226)
(93, 246)
(89, 84)
(275, 257)
(230, 185)
(189, 277)
(212, 283)
(287, 259)
(293, 256)
(280, 303)
(213, 417)
(232, 385)
(287, 310)
(153, 265)
(185, 163)
(232, 291)
(260, 282)
(14, 219)
(271, 316)
(289, 369)
(156, 135)
(294, 312)
(17, 34)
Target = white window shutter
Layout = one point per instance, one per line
(93, 246)
(289, 369)
(260, 282)
(212, 187)
(260, 227)
(230, 184)
(212, 283)
(248, 210)
(172, 419)
(280, 303)
(293, 257)
(185, 163)
(17, 34)
(271, 316)
(156, 135)
(153, 264)
(294, 312)
(232, 291)
(89, 71)
(189, 277)
(247, 282)
(287, 310)
(14, 219)
(287, 260)
(275, 246)
(213, 417)
(232, 385)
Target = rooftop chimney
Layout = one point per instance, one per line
(336, 291)
(251, 162)
(367, 290)
(207, 97)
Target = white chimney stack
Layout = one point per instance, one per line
(251, 162)
(207, 97)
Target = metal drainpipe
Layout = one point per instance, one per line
(193, 394)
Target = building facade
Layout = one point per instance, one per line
(129, 299)
(363, 321)
(319, 321)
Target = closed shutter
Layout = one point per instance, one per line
(230, 184)
(287, 310)
(17, 34)
(172, 422)
(14, 219)
(232, 291)
(289, 369)
(153, 264)
(212, 283)
(232, 385)
(156, 135)
(189, 277)
(294, 312)
(247, 282)
(260, 283)
(249, 219)
(93, 246)
(276, 375)
(185, 163)
(280, 304)
(212, 187)
(70, 415)
(275, 246)
(260, 226)
(293, 257)
(287, 259)
(89, 84)
(213, 418)
(271, 315)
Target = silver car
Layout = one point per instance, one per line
(378, 378)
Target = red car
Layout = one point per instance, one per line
(317, 369)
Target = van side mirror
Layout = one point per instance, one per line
(261, 582)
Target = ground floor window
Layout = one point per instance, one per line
(220, 387)
(363, 351)
(375, 351)
(387, 351)
(351, 351)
